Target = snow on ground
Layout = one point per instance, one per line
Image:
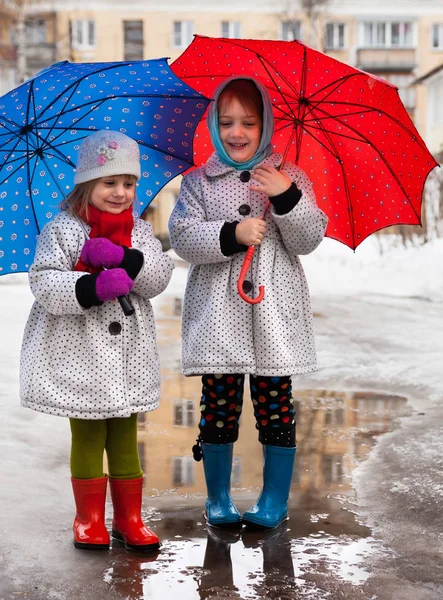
(380, 265)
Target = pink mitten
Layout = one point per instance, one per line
(101, 252)
(113, 283)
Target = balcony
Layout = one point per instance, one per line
(40, 55)
(386, 60)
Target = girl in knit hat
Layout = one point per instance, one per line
(219, 213)
(82, 358)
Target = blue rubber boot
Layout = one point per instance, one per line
(217, 463)
(272, 506)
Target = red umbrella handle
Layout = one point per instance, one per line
(241, 278)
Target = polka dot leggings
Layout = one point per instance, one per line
(221, 406)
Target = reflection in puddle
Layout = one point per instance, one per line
(274, 566)
(322, 541)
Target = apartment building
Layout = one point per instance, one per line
(400, 41)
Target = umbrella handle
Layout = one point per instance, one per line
(245, 267)
(126, 305)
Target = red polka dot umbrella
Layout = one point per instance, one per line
(347, 129)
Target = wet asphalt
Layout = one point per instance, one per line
(366, 517)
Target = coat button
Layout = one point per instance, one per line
(244, 209)
(247, 286)
(115, 328)
(245, 176)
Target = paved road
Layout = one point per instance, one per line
(384, 541)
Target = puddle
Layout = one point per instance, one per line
(323, 546)
(323, 538)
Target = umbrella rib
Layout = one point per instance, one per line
(12, 173)
(164, 97)
(31, 87)
(344, 179)
(145, 145)
(267, 68)
(57, 116)
(306, 130)
(334, 87)
(12, 160)
(394, 175)
(263, 60)
(75, 84)
(54, 179)
(10, 131)
(335, 84)
(99, 103)
(319, 128)
(334, 151)
(367, 110)
(414, 137)
(330, 116)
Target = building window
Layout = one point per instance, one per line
(391, 34)
(184, 413)
(35, 32)
(437, 36)
(83, 34)
(436, 102)
(335, 36)
(182, 470)
(231, 29)
(335, 417)
(290, 30)
(333, 468)
(183, 32)
(133, 40)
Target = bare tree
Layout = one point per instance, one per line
(310, 8)
(313, 8)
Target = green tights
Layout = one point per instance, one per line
(91, 438)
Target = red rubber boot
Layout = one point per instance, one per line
(89, 528)
(127, 524)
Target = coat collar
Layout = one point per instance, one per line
(214, 167)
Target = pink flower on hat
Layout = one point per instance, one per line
(101, 159)
(113, 145)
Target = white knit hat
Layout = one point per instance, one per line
(105, 153)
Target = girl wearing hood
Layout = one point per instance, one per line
(218, 214)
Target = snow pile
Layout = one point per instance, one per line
(380, 265)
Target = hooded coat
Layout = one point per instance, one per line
(221, 332)
(92, 363)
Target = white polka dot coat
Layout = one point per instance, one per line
(74, 363)
(221, 332)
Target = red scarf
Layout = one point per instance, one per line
(117, 228)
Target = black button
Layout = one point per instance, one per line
(247, 286)
(245, 176)
(244, 209)
(115, 328)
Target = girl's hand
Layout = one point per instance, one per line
(250, 232)
(272, 182)
(101, 252)
(111, 284)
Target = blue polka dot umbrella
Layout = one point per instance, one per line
(43, 122)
